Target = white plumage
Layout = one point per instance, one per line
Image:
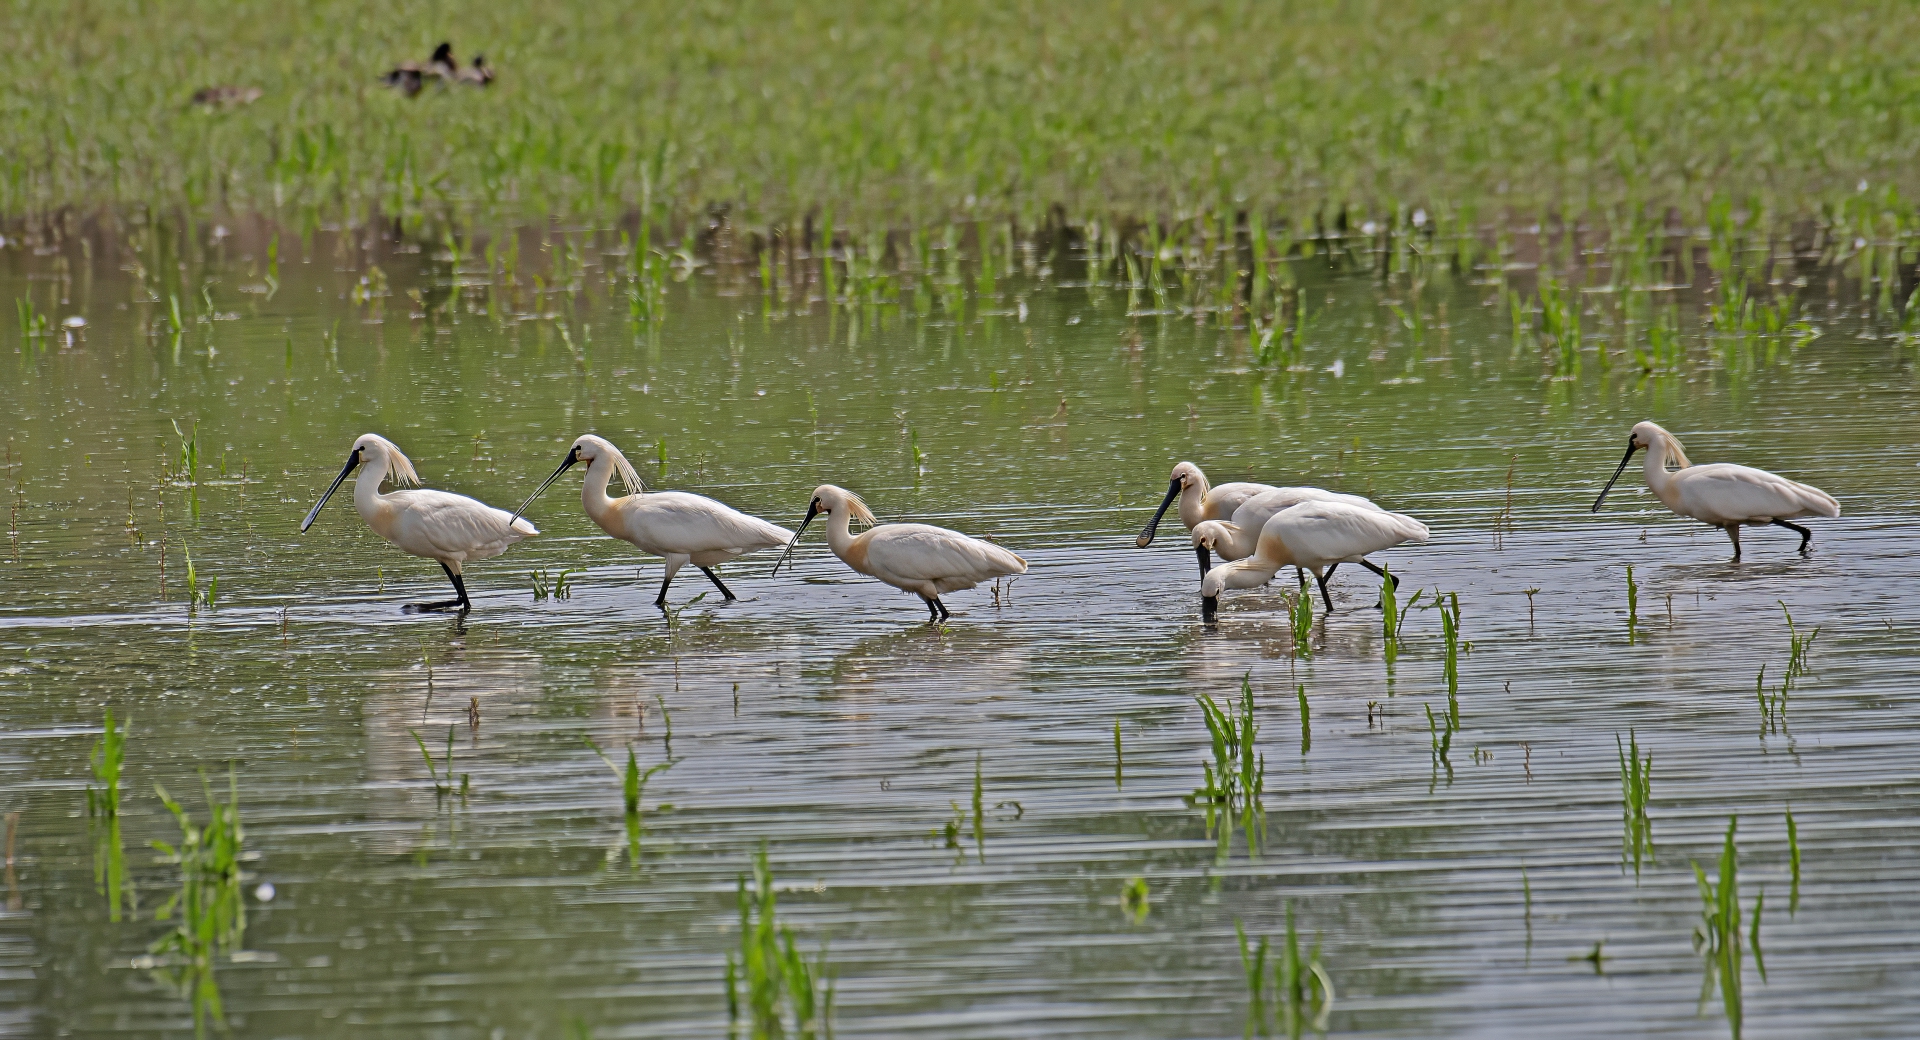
(1237, 538)
(922, 559)
(1317, 537)
(677, 526)
(438, 525)
(1722, 494)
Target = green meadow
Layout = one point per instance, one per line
(892, 113)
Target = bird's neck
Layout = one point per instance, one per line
(593, 489)
(1193, 502)
(840, 531)
(1659, 480)
(367, 498)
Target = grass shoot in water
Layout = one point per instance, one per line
(1302, 991)
(633, 785)
(554, 587)
(1773, 707)
(107, 763)
(1799, 646)
(1633, 604)
(1300, 612)
(785, 995)
(1235, 779)
(1636, 790)
(1118, 757)
(442, 785)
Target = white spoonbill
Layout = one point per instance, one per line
(678, 526)
(1199, 500)
(1314, 536)
(439, 525)
(922, 559)
(1721, 493)
(1236, 539)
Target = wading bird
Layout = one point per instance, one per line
(1317, 537)
(677, 526)
(919, 558)
(1198, 500)
(1236, 539)
(1721, 493)
(439, 525)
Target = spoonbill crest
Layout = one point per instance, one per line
(922, 559)
(1316, 537)
(439, 525)
(1721, 493)
(1198, 500)
(677, 526)
(1237, 538)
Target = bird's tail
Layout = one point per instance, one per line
(1408, 528)
(1817, 501)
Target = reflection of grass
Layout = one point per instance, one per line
(1718, 937)
(871, 108)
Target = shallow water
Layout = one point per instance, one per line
(819, 718)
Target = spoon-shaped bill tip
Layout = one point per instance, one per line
(1153, 525)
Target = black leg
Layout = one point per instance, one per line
(1391, 580)
(460, 600)
(661, 599)
(1806, 536)
(1206, 560)
(944, 612)
(1324, 596)
(933, 612)
(1733, 532)
(1300, 575)
(717, 583)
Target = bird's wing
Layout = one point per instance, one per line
(1338, 531)
(1726, 493)
(1223, 500)
(453, 523)
(689, 523)
(1257, 510)
(919, 552)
